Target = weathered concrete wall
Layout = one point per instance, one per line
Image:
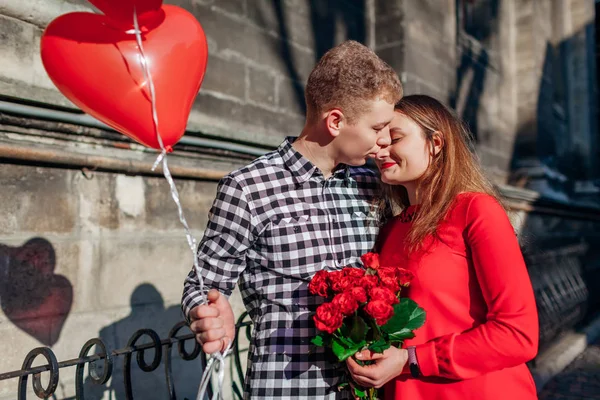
(96, 256)
(556, 95)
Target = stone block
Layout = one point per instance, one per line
(271, 127)
(493, 158)
(253, 44)
(225, 76)
(389, 31)
(232, 7)
(36, 199)
(261, 88)
(394, 56)
(185, 4)
(386, 9)
(433, 91)
(283, 20)
(291, 96)
(127, 262)
(438, 45)
(436, 73)
(39, 77)
(161, 212)
(411, 86)
(16, 45)
(431, 16)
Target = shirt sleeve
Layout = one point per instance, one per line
(222, 251)
(509, 336)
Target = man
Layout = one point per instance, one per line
(304, 207)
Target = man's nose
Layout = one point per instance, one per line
(384, 138)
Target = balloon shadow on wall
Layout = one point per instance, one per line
(32, 296)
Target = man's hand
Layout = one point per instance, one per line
(387, 366)
(213, 323)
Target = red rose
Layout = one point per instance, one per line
(390, 272)
(328, 317)
(368, 281)
(354, 272)
(346, 303)
(404, 276)
(359, 293)
(370, 260)
(380, 311)
(383, 294)
(391, 283)
(340, 282)
(319, 284)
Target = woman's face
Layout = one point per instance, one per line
(407, 158)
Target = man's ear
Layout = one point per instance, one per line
(334, 120)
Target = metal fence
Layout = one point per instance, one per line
(99, 376)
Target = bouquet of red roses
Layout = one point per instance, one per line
(364, 310)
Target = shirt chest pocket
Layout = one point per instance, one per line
(297, 243)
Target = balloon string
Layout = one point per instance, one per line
(220, 357)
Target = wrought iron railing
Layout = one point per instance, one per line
(162, 351)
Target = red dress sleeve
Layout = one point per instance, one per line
(509, 336)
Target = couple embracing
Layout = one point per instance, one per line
(313, 205)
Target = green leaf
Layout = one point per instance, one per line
(346, 341)
(379, 346)
(360, 393)
(342, 350)
(402, 335)
(318, 340)
(407, 316)
(344, 331)
(358, 333)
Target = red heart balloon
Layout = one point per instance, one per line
(99, 69)
(121, 11)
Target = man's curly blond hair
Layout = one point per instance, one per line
(347, 77)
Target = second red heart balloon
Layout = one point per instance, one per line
(121, 11)
(99, 69)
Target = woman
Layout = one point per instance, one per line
(450, 230)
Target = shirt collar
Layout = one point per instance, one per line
(301, 167)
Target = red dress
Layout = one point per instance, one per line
(482, 323)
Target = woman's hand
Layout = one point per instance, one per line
(387, 366)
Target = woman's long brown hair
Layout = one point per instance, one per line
(453, 170)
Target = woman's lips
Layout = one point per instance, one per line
(387, 165)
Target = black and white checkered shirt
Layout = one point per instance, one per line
(272, 226)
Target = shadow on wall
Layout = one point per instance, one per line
(476, 24)
(551, 153)
(559, 147)
(325, 17)
(32, 296)
(147, 311)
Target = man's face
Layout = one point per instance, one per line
(367, 135)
